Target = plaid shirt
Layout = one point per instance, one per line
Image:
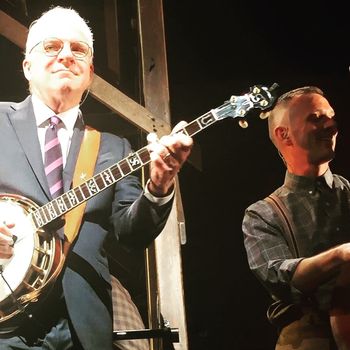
(320, 211)
(126, 317)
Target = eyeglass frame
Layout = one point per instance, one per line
(89, 51)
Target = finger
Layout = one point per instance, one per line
(158, 152)
(6, 228)
(6, 239)
(179, 126)
(176, 141)
(6, 252)
(185, 140)
(177, 146)
(152, 137)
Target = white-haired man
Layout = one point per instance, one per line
(58, 65)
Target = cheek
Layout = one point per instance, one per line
(40, 70)
(88, 75)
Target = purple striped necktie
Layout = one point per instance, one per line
(53, 158)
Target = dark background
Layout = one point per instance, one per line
(220, 48)
(215, 50)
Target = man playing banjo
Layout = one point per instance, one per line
(40, 143)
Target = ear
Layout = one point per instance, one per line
(92, 70)
(26, 69)
(282, 135)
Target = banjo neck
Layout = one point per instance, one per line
(260, 97)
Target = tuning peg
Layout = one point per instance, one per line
(263, 103)
(264, 115)
(243, 123)
(273, 87)
(233, 99)
(256, 90)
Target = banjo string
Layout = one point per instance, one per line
(19, 306)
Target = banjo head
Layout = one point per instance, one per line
(33, 258)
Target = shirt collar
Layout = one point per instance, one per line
(43, 113)
(296, 182)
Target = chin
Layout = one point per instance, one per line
(64, 86)
(327, 158)
(321, 158)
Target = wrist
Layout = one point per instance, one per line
(160, 190)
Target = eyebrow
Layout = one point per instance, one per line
(318, 113)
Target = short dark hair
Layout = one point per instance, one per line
(283, 101)
(299, 91)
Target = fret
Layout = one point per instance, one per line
(207, 119)
(51, 211)
(44, 215)
(144, 155)
(193, 128)
(184, 131)
(82, 192)
(100, 182)
(92, 187)
(116, 172)
(124, 167)
(72, 198)
(56, 208)
(67, 202)
(134, 161)
(61, 204)
(107, 177)
(38, 219)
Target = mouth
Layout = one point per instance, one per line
(328, 141)
(331, 136)
(64, 72)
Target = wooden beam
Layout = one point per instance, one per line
(127, 107)
(168, 298)
(13, 30)
(112, 36)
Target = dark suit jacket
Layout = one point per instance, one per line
(120, 211)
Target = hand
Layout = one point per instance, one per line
(343, 253)
(167, 157)
(6, 241)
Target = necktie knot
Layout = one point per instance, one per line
(54, 121)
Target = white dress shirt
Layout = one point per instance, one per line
(65, 129)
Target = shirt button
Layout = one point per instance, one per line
(310, 192)
(328, 204)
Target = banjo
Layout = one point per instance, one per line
(37, 252)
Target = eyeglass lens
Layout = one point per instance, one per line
(54, 46)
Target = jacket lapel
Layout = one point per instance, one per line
(23, 121)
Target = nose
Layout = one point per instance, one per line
(331, 125)
(66, 52)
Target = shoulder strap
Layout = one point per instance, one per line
(85, 165)
(287, 223)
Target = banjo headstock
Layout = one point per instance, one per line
(258, 97)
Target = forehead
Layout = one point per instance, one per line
(70, 31)
(304, 105)
(62, 24)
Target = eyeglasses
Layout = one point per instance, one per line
(53, 46)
